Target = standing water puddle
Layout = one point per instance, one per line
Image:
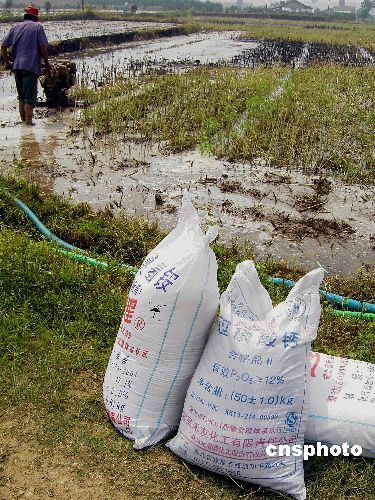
(252, 203)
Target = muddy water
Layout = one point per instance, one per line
(198, 48)
(260, 205)
(251, 203)
(63, 30)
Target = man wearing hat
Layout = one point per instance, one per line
(29, 43)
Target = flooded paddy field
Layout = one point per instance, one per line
(218, 49)
(167, 54)
(63, 30)
(294, 53)
(290, 214)
(276, 212)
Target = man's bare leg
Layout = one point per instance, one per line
(29, 112)
(21, 107)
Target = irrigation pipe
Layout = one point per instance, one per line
(83, 258)
(351, 304)
(354, 314)
(40, 226)
(365, 309)
(93, 262)
(71, 251)
(102, 264)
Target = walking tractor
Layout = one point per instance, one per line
(57, 82)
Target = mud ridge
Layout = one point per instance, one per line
(77, 44)
(291, 53)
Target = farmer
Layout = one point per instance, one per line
(29, 43)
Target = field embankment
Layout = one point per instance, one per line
(77, 44)
(341, 33)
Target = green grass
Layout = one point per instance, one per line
(332, 32)
(181, 109)
(321, 119)
(92, 14)
(58, 320)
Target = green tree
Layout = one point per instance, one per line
(364, 11)
(47, 7)
(8, 4)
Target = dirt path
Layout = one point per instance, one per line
(34, 474)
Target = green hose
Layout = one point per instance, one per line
(39, 224)
(93, 262)
(339, 300)
(83, 258)
(354, 314)
(71, 251)
(102, 264)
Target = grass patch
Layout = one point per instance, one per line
(122, 238)
(58, 320)
(320, 118)
(332, 32)
(92, 14)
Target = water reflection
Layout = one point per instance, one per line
(30, 149)
(33, 154)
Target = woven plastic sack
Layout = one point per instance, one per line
(342, 402)
(249, 389)
(171, 306)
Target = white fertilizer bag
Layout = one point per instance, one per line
(171, 306)
(342, 402)
(249, 389)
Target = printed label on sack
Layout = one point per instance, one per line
(342, 379)
(242, 403)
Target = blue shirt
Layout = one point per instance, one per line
(26, 38)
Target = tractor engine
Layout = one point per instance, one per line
(57, 82)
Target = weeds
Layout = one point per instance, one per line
(321, 120)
